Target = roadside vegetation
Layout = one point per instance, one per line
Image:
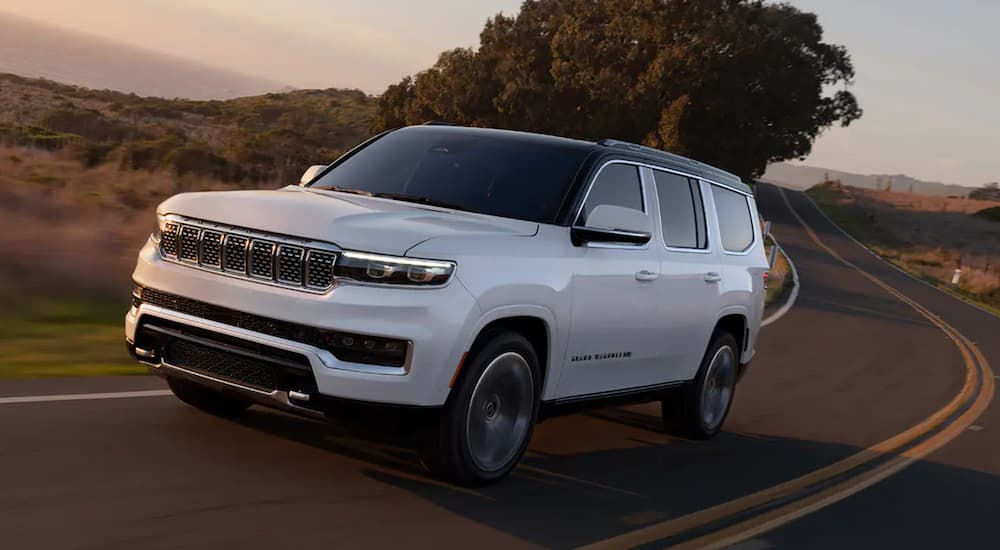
(779, 278)
(245, 140)
(64, 334)
(931, 237)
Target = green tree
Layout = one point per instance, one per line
(736, 83)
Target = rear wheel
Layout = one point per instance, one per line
(490, 415)
(699, 410)
(206, 399)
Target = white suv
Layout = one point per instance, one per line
(486, 278)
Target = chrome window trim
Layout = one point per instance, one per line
(644, 194)
(709, 249)
(590, 184)
(251, 235)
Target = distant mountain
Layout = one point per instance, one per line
(804, 177)
(34, 49)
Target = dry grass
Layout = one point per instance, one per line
(77, 228)
(68, 246)
(779, 277)
(929, 236)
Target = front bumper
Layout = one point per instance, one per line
(436, 322)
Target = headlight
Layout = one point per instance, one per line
(392, 270)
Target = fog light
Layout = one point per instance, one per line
(371, 350)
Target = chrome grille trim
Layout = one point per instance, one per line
(211, 249)
(236, 253)
(290, 264)
(188, 250)
(262, 259)
(319, 268)
(168, 239)
(258, 256)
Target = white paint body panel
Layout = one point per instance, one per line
(588, 297)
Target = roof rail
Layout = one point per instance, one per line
(694, 166)
(439, 123)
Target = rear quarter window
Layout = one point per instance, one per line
(735, 222)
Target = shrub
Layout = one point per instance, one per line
(991, 214)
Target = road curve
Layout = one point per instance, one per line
(849, 367)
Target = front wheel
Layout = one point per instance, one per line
(490, 414)
(699, 410)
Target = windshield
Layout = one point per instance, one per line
(479, 171)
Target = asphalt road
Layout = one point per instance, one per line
(848, 367)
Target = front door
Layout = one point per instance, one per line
(613, 342)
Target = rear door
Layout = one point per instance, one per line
(689, 296)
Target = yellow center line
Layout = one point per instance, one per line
(977, 368)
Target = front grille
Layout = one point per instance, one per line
(319, 269)
(211, 249)
(190, 237)
(262, 260)
(219, 364)
(236, 252)
(290, 264)
(168, 240)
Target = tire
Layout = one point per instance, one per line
(490, 415)
(208, 400)
(699, 410)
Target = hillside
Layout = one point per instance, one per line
(35, 49)
(267, 138)
(804, 177)
(82, 169)
(929, 236)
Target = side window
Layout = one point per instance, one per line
(618, 185)
(735, 223)
(682, 212)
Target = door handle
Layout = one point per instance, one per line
(646, 275)
(712, 277)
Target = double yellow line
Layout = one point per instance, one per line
(902, 450)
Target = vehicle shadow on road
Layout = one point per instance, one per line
(590, 476)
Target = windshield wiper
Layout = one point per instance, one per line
(345, 190)
(425, 200)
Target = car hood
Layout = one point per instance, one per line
(350, 221)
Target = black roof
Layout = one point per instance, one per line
(653, 156)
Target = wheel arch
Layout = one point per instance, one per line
(536, 324)
(736, 323)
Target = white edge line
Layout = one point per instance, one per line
(792, 296)
(890, 264)
(82, 396)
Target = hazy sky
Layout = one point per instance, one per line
(928, 70)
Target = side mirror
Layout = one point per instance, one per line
(613, 224)
(310, 173)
